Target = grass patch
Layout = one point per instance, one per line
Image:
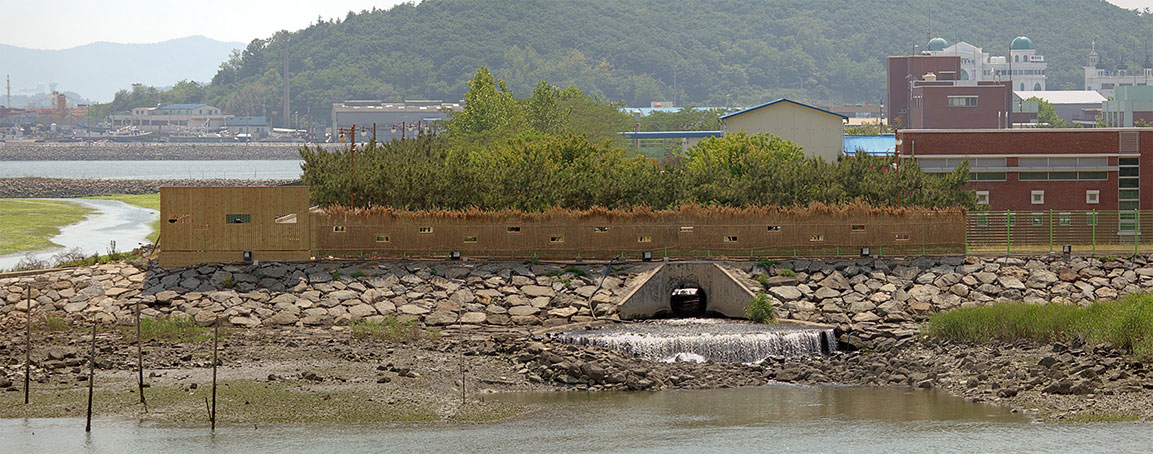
(1126, 323)
(171, 329)
(27, 225)
(786, 273)
(760, 310)
(54, 323)
(766, 264)
(391, 329)
(149, 201)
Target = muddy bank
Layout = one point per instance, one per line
(65, 188)
(150, 151)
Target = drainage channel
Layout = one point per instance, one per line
(701, 339)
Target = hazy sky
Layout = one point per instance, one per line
(58, 24)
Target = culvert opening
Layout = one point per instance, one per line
(688, 302)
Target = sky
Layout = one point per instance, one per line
(59, 24)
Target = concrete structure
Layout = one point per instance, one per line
(1043, 169)
(389, 117)
(723, 293)
(1106, 81)
(1023, 67)
(653, 142)
(818, 131)
(174, 118)
(1075, 106)
(1130, 106)
(255, 126)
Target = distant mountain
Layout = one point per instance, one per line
(96, 71)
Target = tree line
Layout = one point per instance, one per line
(557, 149)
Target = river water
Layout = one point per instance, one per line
(153, 170)
(113, 220)
(766, 419)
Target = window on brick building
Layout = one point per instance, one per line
(982, 197)
(962, 101)
(1092, 197)
(1037, 197)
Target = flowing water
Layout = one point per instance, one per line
(153, 170)
(765, 419)
(702, 339)
(113, 220)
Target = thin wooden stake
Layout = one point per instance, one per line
(215, 338)
(91, 377)
(140, 359)
(27, 343)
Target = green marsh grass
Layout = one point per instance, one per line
(390, 329)
(1126, 323)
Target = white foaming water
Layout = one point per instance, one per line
(701, 340)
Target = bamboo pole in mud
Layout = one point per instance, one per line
(215, 339)
(140, 359)
(91, 377)
(27, 342)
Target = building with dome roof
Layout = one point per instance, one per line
(1023, 66)
(1106, 81)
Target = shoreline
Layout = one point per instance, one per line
(153, 151)
(58, 188)
(329, 376)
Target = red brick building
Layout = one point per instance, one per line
(1043, 169)
(924, 93)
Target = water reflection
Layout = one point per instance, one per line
(766, 419)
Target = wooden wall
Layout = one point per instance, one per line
(212, 224)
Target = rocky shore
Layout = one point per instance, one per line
(487, 310)
(150, 151)
(62, 188)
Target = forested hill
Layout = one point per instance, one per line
(707, 52)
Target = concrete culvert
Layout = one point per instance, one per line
(688, 301)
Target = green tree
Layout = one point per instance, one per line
(1047, 115)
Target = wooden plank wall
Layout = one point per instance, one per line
(376, 235)
(194, 225)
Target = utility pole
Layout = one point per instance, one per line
(287, 120)
(8, 84)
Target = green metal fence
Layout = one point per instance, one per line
(1084, 232)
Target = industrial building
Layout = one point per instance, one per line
(393, 120)
(174, 118)
(1080, 107)
(1042, 169)
(818, 131)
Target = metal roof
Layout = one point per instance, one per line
(182, 106)
(818, 109)
(1063, 96)
(671, 134)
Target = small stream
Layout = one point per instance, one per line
(113, 220)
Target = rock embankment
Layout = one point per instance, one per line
(85, 187)
(322, 294)
(882, 301)
(151, 151)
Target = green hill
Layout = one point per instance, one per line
(709, 52)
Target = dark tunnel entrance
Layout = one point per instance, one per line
(688, 301)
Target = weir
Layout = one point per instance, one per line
(700, 340)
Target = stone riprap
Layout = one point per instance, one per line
(885, 299)
(871, 301)
(85, 187)
(321, 294)
(150, 151)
